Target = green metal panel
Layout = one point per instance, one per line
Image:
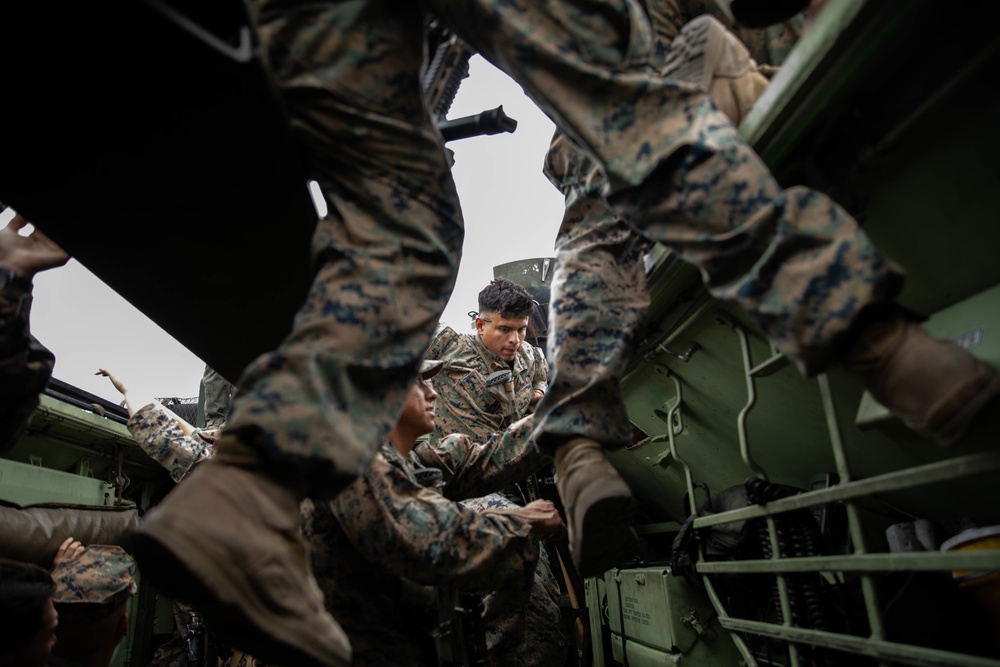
(26, 484)
(650, 605)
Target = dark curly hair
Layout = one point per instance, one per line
(507, 298)
(24, 591)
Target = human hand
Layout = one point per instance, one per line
(544, 519)
(536, 396)
(28, 255)
(115, 381)
(68, 551)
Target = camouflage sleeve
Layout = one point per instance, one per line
(25, 366)
(472, 470)
(443, 338)
(417, 533)
(160, 437)
(540, 379)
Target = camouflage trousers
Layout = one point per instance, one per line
(387, 254)
(523, 632)
(673, 166)
(807, 275)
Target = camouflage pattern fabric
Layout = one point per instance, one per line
(25, 366)
(471, 469)
(598, 301)
(100, 574)
(160, 436)
(796, 262)
(768, 46)
(386, 254)
(465, 404)
(162, 439)
(679, 172)
(378, 545)
(522, 627)
(673, 166)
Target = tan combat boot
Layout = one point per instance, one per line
(936, 387)
(705, 53)
(599, 507)
(227, 541)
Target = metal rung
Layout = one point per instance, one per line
(769, 366)
(876, 648)
(981, 560)
(965, 466)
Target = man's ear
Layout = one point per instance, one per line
(122, 626)
(480, 325)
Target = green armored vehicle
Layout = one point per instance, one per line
(860, 542)
(854, 541)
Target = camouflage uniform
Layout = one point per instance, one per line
(379, 545)
(768, 46)
(159, 436)
(465, 404)
(517, 634)
(675, 167)
(101, 575)
(798, 264)
(162, 439)
(25, 366)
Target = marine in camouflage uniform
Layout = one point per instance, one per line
(598, 297)
(465, 404)
(162, 438)
(379, 547)
(309, 416)
(676, 168)
(516, 633)
(92, 590)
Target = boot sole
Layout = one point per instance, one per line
(606, 537)
(249, 632)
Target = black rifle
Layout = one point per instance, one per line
(448, 67)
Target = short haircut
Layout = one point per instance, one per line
(24, 591)
(507, 298)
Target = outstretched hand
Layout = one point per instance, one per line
(68, 550)
(115, 381)
(28, 255)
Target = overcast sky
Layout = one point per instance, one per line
(511, 213)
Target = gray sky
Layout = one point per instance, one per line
(511, 213)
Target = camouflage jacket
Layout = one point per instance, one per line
(471, 470)
(379, 545)
(25, 366)
(160, 437)
(465, 404)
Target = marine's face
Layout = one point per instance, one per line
(37, 651)
(418, 412)
(502, 335)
